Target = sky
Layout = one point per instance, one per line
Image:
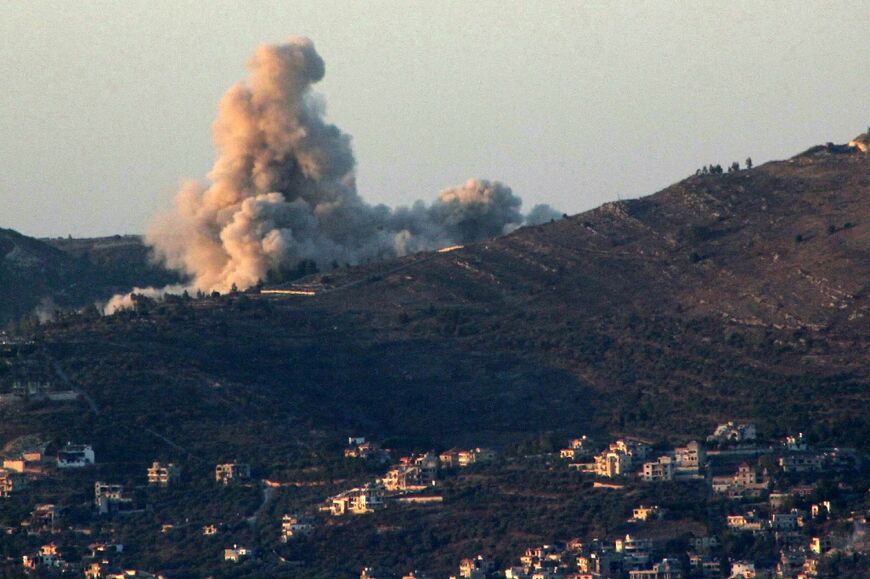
(106, 107)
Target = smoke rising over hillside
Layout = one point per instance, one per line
(283, 189)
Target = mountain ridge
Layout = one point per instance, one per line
(739, 296)
(640, 313)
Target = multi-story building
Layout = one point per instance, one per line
(11, 482)
(661, 470)
(358, 501)
(705, 565)
(635, 552)
(163, 475)
(295, 526)
(109, 498)
(787, 521)
(747, 476)
(749, 521)
(690, 459)
(746, 482)
(666, 569)
(476, 567)
(612, 464)
(803, 462)
(232, 472)
(576, 447)
(462, 458)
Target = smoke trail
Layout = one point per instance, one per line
(122, 301)
(283, 189)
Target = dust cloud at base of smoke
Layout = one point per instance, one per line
(122, 301)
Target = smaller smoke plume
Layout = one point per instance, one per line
(283, 190)
(46, 311)
(542, 213)
(122, 301)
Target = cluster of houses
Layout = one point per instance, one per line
(628, 456)
(368, 498)
(359, 447)
(727, 463)
(29, 463)
(411, 474)
(634, 458)
(632, 557)
(456, 458)
(624, 557)
(617, 460)
(791, 519)
(800, 552)
(108, 499)
(100, 562)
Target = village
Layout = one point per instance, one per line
(793, 505)
(797, 504)
(800, 527)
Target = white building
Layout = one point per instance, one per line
(75, 456)
(734, 432)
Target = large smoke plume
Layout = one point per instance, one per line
(283, 189)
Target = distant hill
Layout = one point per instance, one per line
(742, 295)
(125, 258)
(38, 275)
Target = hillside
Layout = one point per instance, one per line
(717, 297)
(723, 297)
(38, 276)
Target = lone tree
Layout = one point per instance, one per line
(748, 162)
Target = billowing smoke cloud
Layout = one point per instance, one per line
(283, 189)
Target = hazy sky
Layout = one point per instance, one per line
(106, 106)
